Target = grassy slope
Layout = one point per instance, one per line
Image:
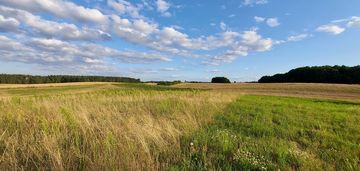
(135, 126)
(263, 132)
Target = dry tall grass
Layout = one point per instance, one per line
(111, 130)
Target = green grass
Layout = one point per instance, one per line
(271, 133)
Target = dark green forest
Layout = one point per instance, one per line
(29, 79)
(317, 74)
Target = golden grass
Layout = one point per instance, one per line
(53, 89)
(7, 86)
(327, 91)
(111, 130)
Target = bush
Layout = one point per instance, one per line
(220, 80)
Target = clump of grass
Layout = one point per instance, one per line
(271, 133)
(117, 129)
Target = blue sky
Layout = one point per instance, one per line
(176, 39)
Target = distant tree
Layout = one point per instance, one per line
(29, 79)
(317, 74)
(168, 83)
(220, 80)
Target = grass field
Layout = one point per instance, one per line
(184, 127)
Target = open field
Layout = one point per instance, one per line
(329, 91)
(109, 126)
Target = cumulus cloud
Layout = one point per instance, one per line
(354, 22)
(53, 29)
(331, 28)
(8, 24)
(162, 6)
(56, 41)
(251, 41)
(57, 53)
(254, 2)
(272, 22)
(167, 39)
(125, 7)
(60, 8)
(259, 19)
(8, 45)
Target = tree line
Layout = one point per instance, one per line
(30, 79)
(317, 74)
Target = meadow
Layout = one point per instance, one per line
(110, 126)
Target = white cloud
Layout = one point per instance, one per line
(167, 39)
(272, 22)
(136, 57)
(163, 7)
(50, 28)
(223, 26)
(213, 71)
(7, 46)
(354, 22)
(299, 37)
(259, 19)
(135, 32)
(169, 69)
(64, 55)
(251, 42)
(331, 28)
(142, 33)
(8, 24)
(55, 44)
(60, 8)
(254, 2)
(125, 7)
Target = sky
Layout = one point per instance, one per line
(176, 39)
